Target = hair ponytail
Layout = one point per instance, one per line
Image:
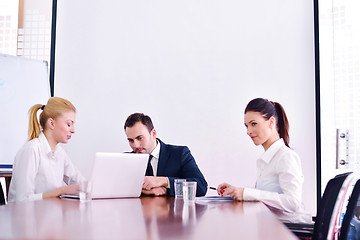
(282, 123)
(34, 127)
(53, 108)
(269, 109)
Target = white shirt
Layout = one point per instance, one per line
(279, 183)
(37, 170)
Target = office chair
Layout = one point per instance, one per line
(328, 210)
(2, 197)
(350, 227)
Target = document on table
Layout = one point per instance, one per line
(210, 199)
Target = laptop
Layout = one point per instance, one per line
(117, 175)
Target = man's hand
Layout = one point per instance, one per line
(151, 182)
(157, 191)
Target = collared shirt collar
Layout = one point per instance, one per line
(156, 152)
(45, 147)
(270, 152)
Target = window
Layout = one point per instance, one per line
(25, 28)
(339, 36)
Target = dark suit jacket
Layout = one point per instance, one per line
(177, 162)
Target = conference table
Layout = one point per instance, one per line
(139, 218)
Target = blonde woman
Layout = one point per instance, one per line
(42, 169)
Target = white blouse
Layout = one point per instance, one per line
(38, 170)
(279, 183)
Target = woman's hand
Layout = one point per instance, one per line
(69, 189)
(234, 192)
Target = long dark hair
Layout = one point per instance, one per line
(268, 109)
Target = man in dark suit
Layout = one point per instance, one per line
(166, 163)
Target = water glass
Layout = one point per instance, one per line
(179, 187)
(189, 192)
(85, 191)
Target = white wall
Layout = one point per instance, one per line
(192, 66)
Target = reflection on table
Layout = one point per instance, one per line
(139, 218)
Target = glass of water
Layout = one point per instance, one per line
(178, 185)
(85, 191)
(189, 192)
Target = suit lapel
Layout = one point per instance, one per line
(163, 158)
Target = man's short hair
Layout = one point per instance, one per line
(139, 117)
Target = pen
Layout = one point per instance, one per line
(213, 188)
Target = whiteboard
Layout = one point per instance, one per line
(192, 66)
(23, 83)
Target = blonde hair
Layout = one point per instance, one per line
(54, 108)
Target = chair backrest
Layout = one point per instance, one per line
(330, 204)
(335, 222)
(2, 198)
(350, 228)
